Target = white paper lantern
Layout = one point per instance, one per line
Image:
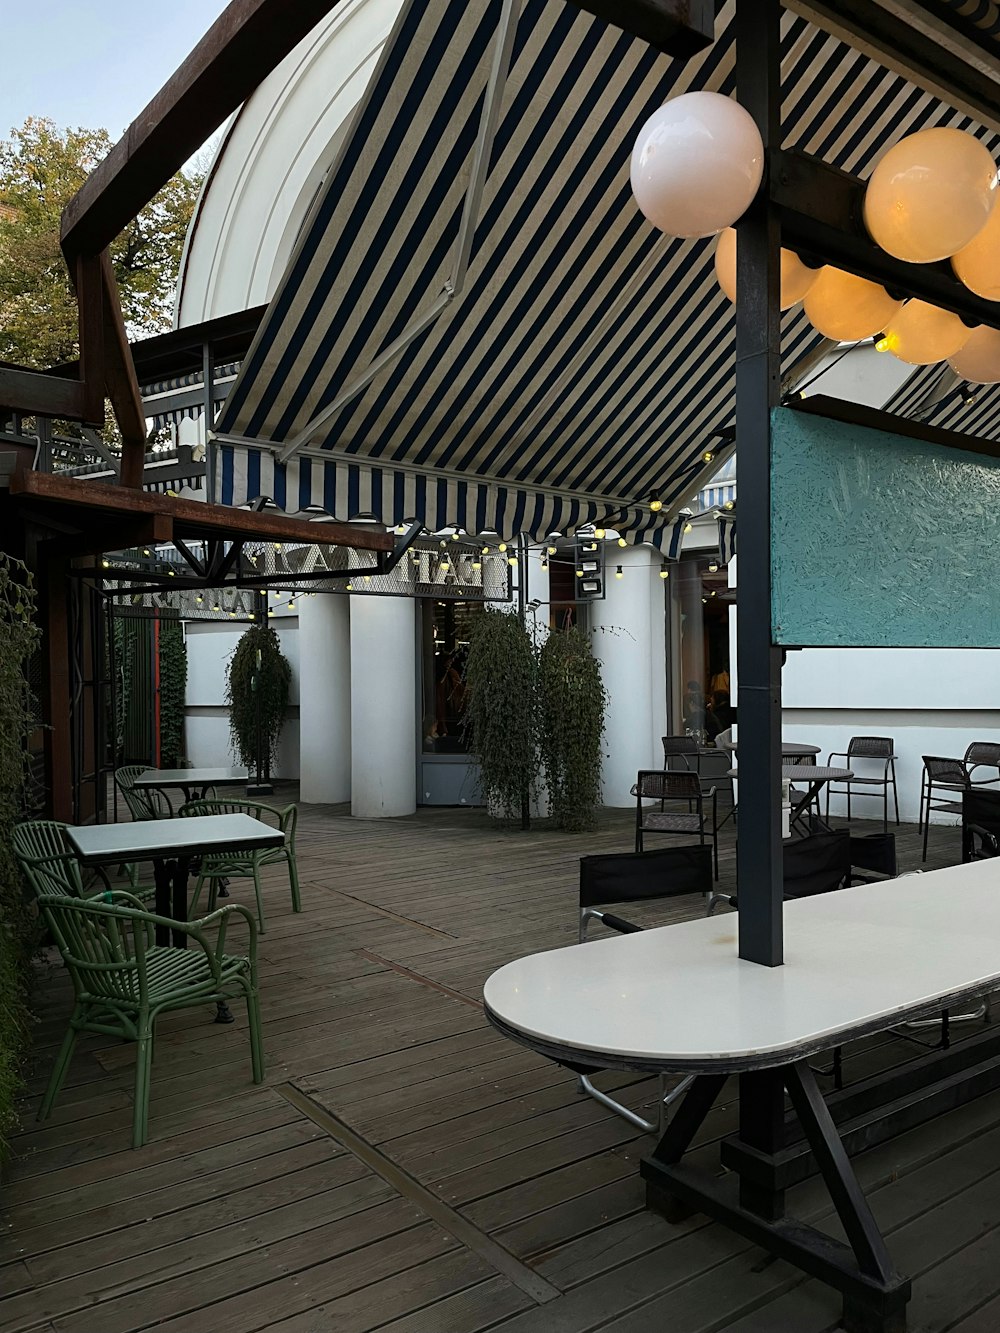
(922, 334)
(846, 308)
(979, 360)
(978, 263)
(796, 279)
(930, 195)
(697, 164)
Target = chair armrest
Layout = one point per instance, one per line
(200, 931)
(617, 923)
(835, 754)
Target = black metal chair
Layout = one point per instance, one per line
(634, 877)
(980, 825)
(819, 863)
(940, 773)
(683, 748)
(663, 787)
(871, 751)
(983, 754)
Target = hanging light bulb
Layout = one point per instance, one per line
(664, 573)
(708, 456)
(655, 505)
(512, 561)
(349, 586)
(252, 616)
(291, 605)
(979, 360)
(796, 279)
(477, 564)
(216, 607)
(619, 573)
(921, 334)
(622, 541)
(106, 564)
(486, 550)
(445, 564)
(689, 527)
(713, 566)
(930, 195)
(551, 550)
(600, 534)
(502, 546)
(846, 308)
(697, 164)
(199, 599)
(455, 535)
(579, 573)
(544, 563)
(730, 504)
(978, 263)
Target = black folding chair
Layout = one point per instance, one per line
(873, 857)
(636, 877)
(980, 825)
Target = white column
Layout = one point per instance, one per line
(324, 698)
(383, 706)
(633, 666)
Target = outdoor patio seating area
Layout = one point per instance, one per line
(405, 1167)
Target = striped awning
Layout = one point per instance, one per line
(588, 362)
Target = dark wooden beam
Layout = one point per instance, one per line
(856, 414)
(88, 281)
(96, 503)
(820, 210)
(677, 27)
(31, 392)
(240, 49)
(961, 74)
(144, 531)
(121, 382)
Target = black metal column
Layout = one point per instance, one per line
(758, 364)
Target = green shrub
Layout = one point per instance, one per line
(259, 675)
(572, 703)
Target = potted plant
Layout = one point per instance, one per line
(257, 685)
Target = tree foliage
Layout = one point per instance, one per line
(254, 682)
(501, 710)
(572, 703)
(41, 168)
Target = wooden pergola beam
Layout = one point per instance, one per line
(96, 504)
(677, 27)
(241, 48)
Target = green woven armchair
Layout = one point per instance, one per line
(247, 865)
(47, 860)
(144, 802)
(123, 981)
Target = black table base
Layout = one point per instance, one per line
(170, 876)
(875, 1295)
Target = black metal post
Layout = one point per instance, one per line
(262, 784)
(208, 377)
(522, 610)
(758, 364)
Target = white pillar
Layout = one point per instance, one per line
(633, 666)
(324, 699)
(383, 706)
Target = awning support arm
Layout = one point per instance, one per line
(489, 121)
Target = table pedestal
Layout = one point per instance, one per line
(170, 876)
(875, 1295)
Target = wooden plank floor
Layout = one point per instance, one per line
(405, 1168)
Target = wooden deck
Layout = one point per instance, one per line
(403, 1167)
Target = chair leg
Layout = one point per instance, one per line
(895, 793)
(140, 1112)
(927, 821)
(59, 1071)
(260, 897)
(196, 896)
(256, 1036)
(293, 879)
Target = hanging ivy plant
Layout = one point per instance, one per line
(19, 638)
(259, 676)
(501, 715)
(173, 690)
(572, 705)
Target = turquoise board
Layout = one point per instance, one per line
(880, 541)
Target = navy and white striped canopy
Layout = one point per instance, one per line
(589, 361)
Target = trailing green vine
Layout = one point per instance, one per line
(173, 690)
(572, 705)
(501, 711)
(254, 680)
(19, 637)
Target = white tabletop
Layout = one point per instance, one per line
(787, 747)
(190, 777)
(99, 844)
(679, 998)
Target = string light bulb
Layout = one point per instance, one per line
(512, 561)
(349, 586)
(502, 546)
(477, 564)
(445, 564)
(619, 573)
(713, 566)
(664, 573)
(729, 505)
(106, 564)
(689, 527)
(655, 505)
(600, 534)
(551, 550)
(252, 616)
(622, 541)
(454, 535)
(708, 456)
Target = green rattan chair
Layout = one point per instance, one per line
(143, 803)
(47, 860)
(247, 865)
(122, 981)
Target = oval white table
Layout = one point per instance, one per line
(679, 1000)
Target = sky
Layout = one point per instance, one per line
(93, 63)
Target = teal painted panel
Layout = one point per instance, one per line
(880, 541)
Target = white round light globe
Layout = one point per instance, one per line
(979, 360)
(796, 279)
(697, 164)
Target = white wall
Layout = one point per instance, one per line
(210, 645)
